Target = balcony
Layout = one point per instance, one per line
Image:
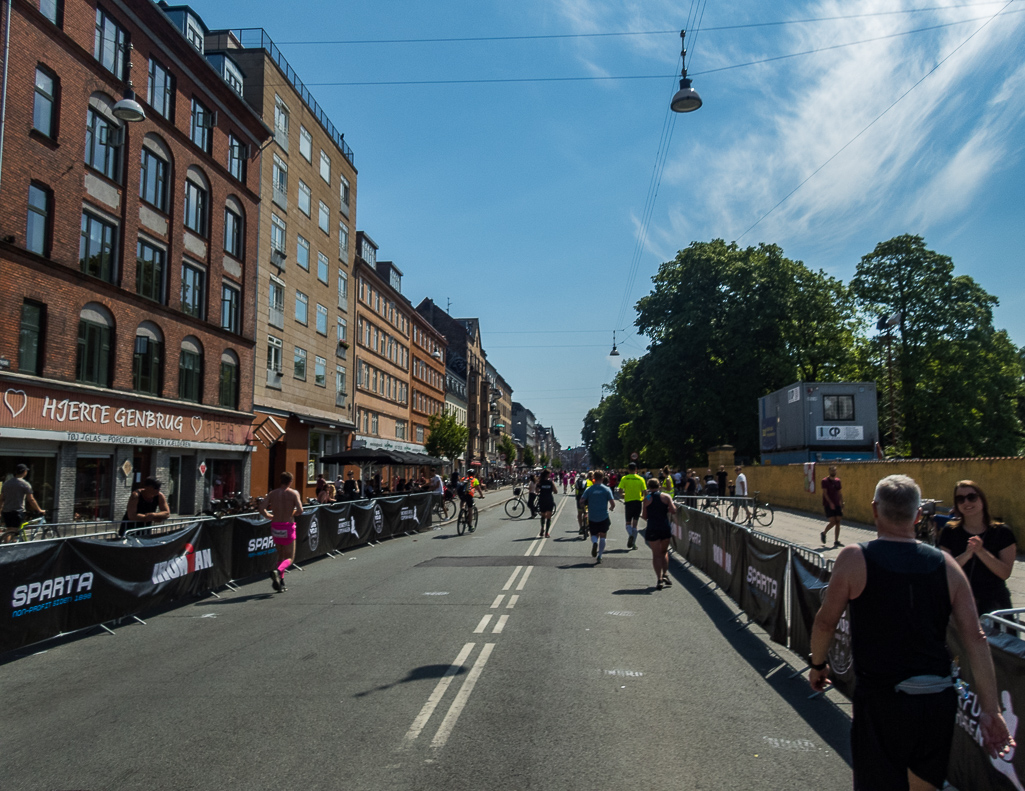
(341, 399)
(276, 317)
(342, 352)
(280, 197)
(274, 379)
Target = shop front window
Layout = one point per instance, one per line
(322, 443)
(223, 478)
(94, 480)
(42, 475)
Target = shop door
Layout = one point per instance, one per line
(141, 466)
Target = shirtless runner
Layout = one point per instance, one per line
(282, 506)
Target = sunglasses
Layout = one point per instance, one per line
(960, 498)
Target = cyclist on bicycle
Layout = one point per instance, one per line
(469, 488)
(14, 494)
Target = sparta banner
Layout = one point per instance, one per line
(762, 598)
(699, 537)
(727, 557)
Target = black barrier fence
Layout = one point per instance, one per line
(772, 567)
(53, 587)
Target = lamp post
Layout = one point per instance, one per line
(686, 99)
(128, 109)
(615, 351)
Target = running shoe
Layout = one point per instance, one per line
(594, 549)
(274, 581)
(660, 585)
(822, 537)
(631, 542)
(667, 582)
(548, 535)
(837, 544)
(597, 561)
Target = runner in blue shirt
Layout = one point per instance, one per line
(599, 501)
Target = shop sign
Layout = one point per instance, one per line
(91, 419)
(840, 433)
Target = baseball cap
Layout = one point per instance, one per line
(20, 468)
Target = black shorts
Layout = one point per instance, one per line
(599, 527)
(658, 532)
(466, 498)
(831, 512)
(545, 505)
(632, 509)
(892, 732)
(14, 518)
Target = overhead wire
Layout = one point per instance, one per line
(872, 123)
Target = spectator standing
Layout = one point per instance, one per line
(532, 496)
(902, 594)
(984, 549)
(722, 480)
(352, 488)
(14, 494)
(740, 488)
(832, 503)
(146, 506)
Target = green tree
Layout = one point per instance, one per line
(447, 438)
(528, 456)
(557, 463)
(544, 460)
(589, 435)
(958, 381)
(508, 449)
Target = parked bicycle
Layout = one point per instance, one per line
(443, 509)
(759, 512)
(515, 507)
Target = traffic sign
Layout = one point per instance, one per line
(634, 456)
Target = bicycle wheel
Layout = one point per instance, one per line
(514, 508)
(444, 510)
(764, 515)
(473, 516)
(461, 521)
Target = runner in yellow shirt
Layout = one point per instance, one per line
(633, 487)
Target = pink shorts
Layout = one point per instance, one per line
(283, 532)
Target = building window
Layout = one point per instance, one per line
(302, 307)
(305, 144)
(343, 330)
(150, 272)
(420, 434)
(231, 305)
(277, 233)
(299, 364)
(400, 429)
(190, 371)
(109, 44)
(322, 268)
(203, 121)
(322, 320)
(227, 391)
(95, 336)
(30, 338)
(344, 192)
(325, 166)
(196, 199)
(274, 347)
(102, 144)
(280, 181)
(276, 303)
(44, 119)
(343, 242)
(838, 407)
(52, 10)
(343, 290)
(153, 180)
(340, 386)
(147, 363)
(320, 372)
(160, 90)
(369, 253)
(37, 224)
(280, 123)
(193, 291)
(97, 250)
(305, 198)
(238, 152)
(302, 253)
(324, 218)
(233, 233)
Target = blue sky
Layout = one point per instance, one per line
(524, 202)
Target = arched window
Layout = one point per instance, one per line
(95, 341)
(104, 137)
(148, 362)
(190, 370)
(155, 173)
(234, 228)
(197, 202)
(228, 389)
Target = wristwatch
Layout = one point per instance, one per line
(813, 666)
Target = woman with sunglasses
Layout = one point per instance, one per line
(983, 548)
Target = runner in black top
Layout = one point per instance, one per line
(901, 595)
(546, 502)
(655, 511)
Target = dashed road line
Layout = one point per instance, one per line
(512, 601)
(502, 619)
(523, 579)
(540, 546)
(447, 724)
(530, 549)
(498, 601)
(482, 625)
(437, 694)
(512, 578)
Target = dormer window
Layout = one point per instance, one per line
(194, 33)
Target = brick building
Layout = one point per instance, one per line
(427, 376)
(303, 389)
(127, 264)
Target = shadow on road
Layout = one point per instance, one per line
(831, 723)
(421, 673)
(635, 591)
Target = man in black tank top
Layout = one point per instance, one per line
(901, 594)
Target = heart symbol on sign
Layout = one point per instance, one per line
(197, 424)
(24, 401)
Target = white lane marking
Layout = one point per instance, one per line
(555, 519)
(797, 745)
(530, 549)
(540, 546)
(509, 582)
(523, 579)
(500, 625)
(512, 601)
(482, 625)
(436, 593)
(620, 612)
(447, 724)
(498, 600)
(624, 673)
(438, 694)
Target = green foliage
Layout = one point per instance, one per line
(557, 463)
(957, 380)
(543, 461)
(446, 438)
(508, 449)
(528, 456)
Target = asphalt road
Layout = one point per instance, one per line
(488, 661)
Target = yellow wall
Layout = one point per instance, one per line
(1003, 480)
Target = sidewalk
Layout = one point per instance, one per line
(803, 528)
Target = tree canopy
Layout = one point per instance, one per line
(446, 437)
